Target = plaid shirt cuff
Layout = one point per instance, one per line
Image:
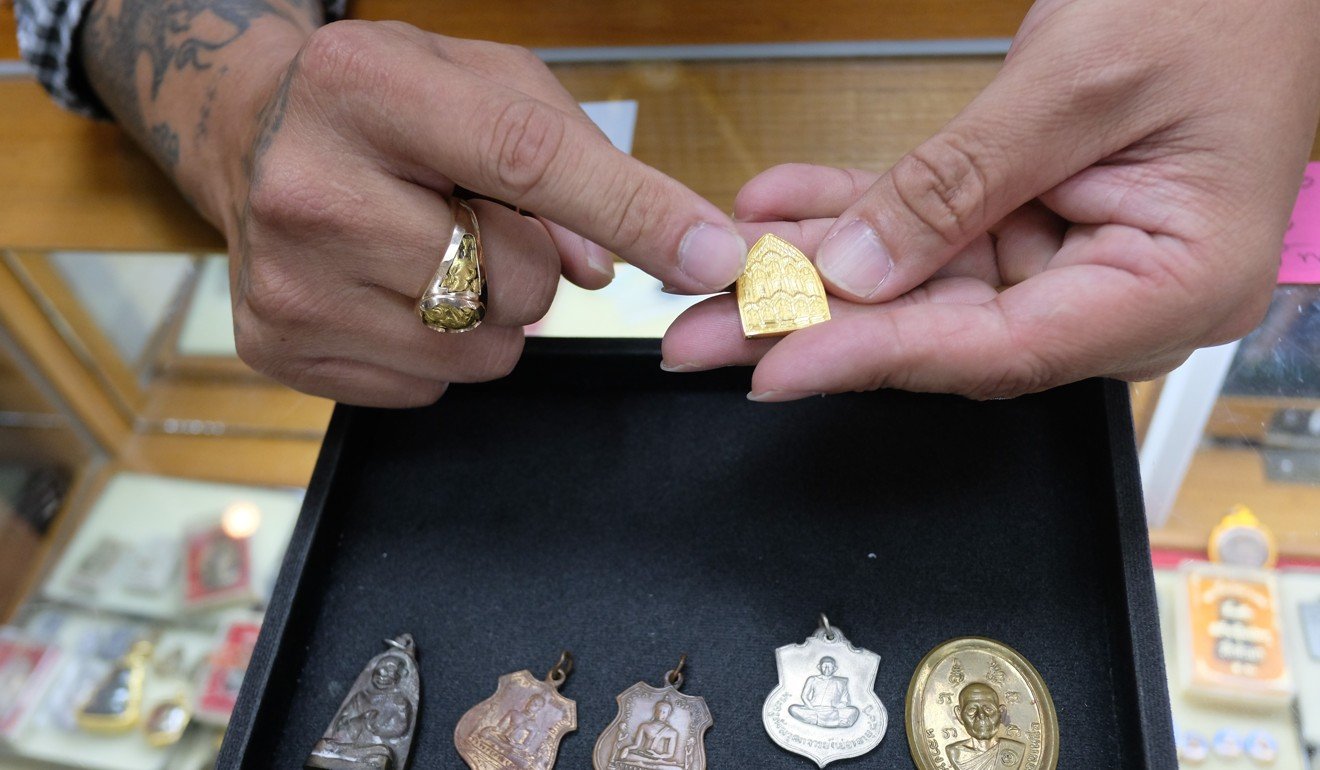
(47, 36)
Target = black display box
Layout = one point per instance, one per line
(594, 503)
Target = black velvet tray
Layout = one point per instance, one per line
(594, 503)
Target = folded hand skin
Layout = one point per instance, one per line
(1113, 200)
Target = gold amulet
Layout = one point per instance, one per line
(976, 704)
(779, 290)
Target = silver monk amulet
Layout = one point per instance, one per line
(521, 725)
(658, 728)
(825, 707)
(373, 729)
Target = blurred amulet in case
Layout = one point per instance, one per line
(1193, 747)
(151, 568)
(97, 565)
(116, 704)
(26, 669)
(1262, 747)
(218, 569)
(1241, 540)
(222, 675)
(1232, 641)
(166, 721)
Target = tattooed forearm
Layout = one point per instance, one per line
(123, 41)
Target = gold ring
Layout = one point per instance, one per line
(454, 300)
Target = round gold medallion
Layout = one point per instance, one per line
(976, 704)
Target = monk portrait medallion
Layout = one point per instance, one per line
(976, 704)
(825, 707)
(374, 725)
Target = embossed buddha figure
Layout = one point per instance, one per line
(825, 701)
(657, 745)
(517, 729)
(982, 714)
(367, 722)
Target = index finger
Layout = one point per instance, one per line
(426, 115)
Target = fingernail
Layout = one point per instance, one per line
(855, 260)
(687, 367)
(711, 256)
(776, 396)
(599, 260)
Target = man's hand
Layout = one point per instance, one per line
(325, 155)
(1113, 200)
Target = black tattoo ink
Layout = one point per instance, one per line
(169, 36)
(165, 144)
(269, 122)
(204, 114)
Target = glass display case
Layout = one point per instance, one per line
(46, 456)
(154, 330)
(1237, 542)
(133, 578)
(149, 481)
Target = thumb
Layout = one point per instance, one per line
(1032, 128)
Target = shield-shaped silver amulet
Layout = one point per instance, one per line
(825, 707)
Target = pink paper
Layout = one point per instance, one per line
(1301, 244)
